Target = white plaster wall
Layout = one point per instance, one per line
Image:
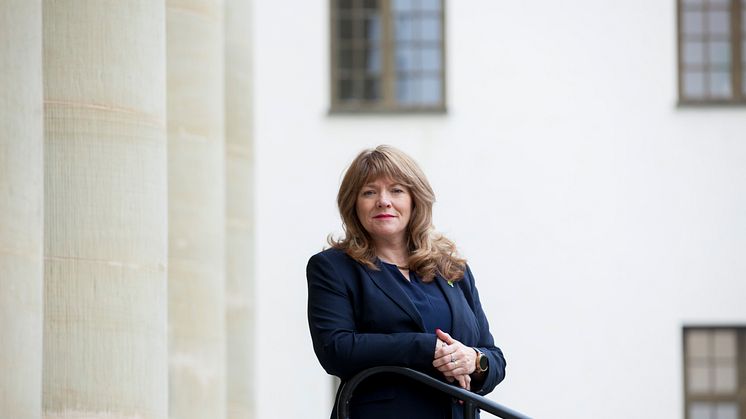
(597, 216)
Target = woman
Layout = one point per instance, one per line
(393, 292)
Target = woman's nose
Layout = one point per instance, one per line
(383, 201)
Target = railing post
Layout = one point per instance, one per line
(470, 410)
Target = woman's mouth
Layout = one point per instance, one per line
(379, 216)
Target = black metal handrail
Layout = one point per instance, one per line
(472, 401)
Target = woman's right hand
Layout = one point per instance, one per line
(442, 349)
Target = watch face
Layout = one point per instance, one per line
(484, 362)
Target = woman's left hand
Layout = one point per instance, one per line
(454, 359)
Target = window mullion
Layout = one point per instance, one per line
(333, 48)
(741, 359)
(736, 40)
(443, 53)
(680, 66)
(707, 39)
(387, 56)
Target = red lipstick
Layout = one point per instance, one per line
(384, 216)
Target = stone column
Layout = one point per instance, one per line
(105, 225)
(239, 210)
(196, 161)
(21, 201)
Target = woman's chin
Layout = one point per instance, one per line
(386, 234)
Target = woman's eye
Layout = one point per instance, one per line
(397, 190)
(368, 193)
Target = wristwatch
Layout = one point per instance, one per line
(482, 362)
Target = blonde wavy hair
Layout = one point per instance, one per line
(430, 253)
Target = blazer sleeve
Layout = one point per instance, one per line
(340, 348)
(486, 344)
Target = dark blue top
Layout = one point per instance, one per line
(427, 297)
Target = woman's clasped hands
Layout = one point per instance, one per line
(454, 359)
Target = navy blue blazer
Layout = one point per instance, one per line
(360, 319)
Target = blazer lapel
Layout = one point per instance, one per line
(396, 293)
(453, 295)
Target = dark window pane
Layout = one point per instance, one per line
(346, 28)
(430, 90)
(402, 5)
(430, 5)
(370, 4)
(430, 59)
(405, 59)
(372, 89)
(718, 22)
(345, 58)
(403, 28)
(700, 410)
(693, 23)
(373, 60)
(346, 89)
(698, 377)
(405, 93)
(697, 344)
(719, 3)
(694, 2)
(724, 345)
(345, 4)
(694, 84)
(726, 411)
(430, 29)
(372, 30)
(726, 378)
(719, 52)
(720, 84)
(694, 52)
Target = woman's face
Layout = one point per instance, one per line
(384, 208)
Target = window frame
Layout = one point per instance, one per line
(387, 103)
(739, 396)
(737, 66)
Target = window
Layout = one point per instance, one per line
(712, 51)
(715, 372)
(387, 55)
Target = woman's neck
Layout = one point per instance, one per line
(395, 253)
